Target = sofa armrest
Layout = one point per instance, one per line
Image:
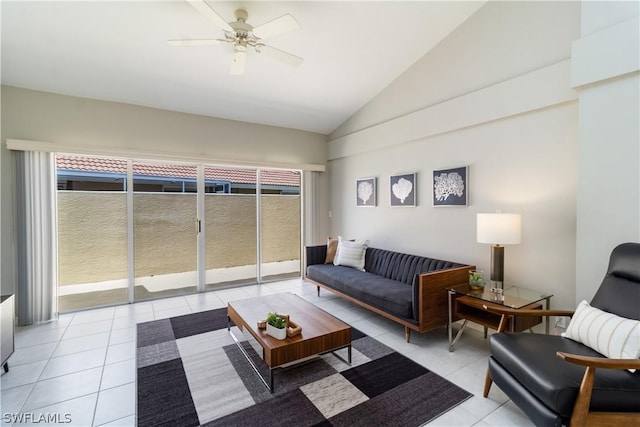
(315, 255)
(432, 305)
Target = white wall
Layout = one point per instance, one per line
(605, 65)
(80, 125)
(495, 96)
(96, 127)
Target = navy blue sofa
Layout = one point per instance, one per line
(409, 289)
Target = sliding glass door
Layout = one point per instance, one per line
(279, 224)
(134, 231)
(165, 229)
(92, 232)
(230, 226)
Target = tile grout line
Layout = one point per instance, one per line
(33, 386)
(104, 363)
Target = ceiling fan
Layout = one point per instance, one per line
(242, 36)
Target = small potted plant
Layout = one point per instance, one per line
(476, 281)
(277, 325)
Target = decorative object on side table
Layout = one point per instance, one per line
(498, 229)
(476, 280)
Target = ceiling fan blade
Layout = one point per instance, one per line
(277, 26)
(213, 16)
(239, 60)
(195, 42)
(281, 55)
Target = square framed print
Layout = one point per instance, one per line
(366, 192)
(450, 187)
(403, 190)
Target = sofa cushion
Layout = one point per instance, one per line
(614, 336)
(532, 360)
(332, 247)
(402, 267)
(331, 275)
(389, 295)
(351, 253)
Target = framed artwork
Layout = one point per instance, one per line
(403, 190)
(366, 192)
(450, 187)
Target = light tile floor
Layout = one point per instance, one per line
(80, 369)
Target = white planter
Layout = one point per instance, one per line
(278, 334)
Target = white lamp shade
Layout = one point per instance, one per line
(499, 228)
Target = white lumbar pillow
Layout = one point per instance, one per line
(351, 254)
(613, 336)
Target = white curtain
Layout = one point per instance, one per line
(36, 298)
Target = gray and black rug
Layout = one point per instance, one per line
(191, 373)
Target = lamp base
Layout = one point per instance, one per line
(497, 265)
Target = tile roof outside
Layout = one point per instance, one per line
(237, 176)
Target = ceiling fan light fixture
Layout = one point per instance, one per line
(239, 59)
(241, 34)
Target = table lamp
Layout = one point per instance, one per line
(498, 229)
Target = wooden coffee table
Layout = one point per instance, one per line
(321, 332)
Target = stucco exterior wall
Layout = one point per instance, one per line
(280, 228)
(164, 233)
(230, 230)
(92, 237)
(92, 233)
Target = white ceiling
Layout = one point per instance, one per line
(118, 51)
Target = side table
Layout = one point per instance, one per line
(471, 305)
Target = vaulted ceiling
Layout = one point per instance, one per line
(118, 51)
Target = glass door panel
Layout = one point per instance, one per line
(280, 224)
(165, 230)
(230, 227)
(92, 232)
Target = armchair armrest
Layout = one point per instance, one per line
(506, 312)
(523, 312)
(581, 415)
(599, 362)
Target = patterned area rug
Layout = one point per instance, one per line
(190, 373)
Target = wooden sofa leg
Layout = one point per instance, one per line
(407, 333)
(318, 290)
(487, 384)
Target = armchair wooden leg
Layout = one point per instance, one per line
(407, 333)
(581, 408)
(487, 384)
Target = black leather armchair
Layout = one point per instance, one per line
(557, 381)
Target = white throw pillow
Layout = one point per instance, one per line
(351, 254)
(613, 336)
